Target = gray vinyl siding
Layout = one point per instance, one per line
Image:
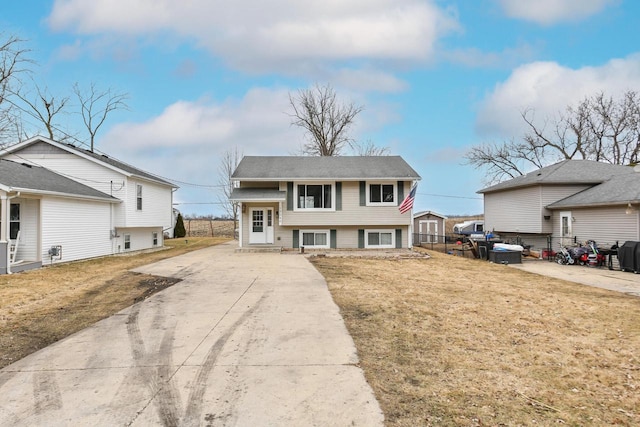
(522, 210)
(551, 194)
(604, 225)
(513, 211)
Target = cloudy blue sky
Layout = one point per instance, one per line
(435, 77)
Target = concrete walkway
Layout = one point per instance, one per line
(243, 340)
(600, 277)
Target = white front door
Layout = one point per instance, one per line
(261, 226)
(428, 230)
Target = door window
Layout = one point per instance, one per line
(258, 221)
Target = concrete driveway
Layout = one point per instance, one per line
(600, 277)
(243, 340)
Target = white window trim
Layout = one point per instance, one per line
(393, 239)
(395, 193)
(139, 191)
(301, 240)
(295, 196)
(124, 242)
(154, 238)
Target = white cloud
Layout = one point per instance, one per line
(259, 36)
(186, 140)
(548, 12)
(548, 88)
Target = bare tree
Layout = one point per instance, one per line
(44, 108)
(599, 128)
(12, 64)
(368, 149)
(228, 164)
(325, 120)
(96, 105)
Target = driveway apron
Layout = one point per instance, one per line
(245, 339)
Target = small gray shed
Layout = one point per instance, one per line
(428, 227)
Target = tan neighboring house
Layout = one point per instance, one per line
(570, 201)
(345, 202)
(429, 227)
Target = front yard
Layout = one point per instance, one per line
(453, 341)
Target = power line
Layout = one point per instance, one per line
(449, 196)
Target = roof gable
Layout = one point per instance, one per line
(24, 177)
(42, 145)
(428, 213)
(341, 167)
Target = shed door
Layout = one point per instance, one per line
(428, 231)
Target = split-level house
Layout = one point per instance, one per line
(60, 202)
(323, 202)
(568, 202)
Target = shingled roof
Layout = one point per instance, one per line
(585, 172)
(33, 179)
(618, 190)
(346, 168)
(99, 157)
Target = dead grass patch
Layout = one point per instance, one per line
(452, 341)
(40, 307)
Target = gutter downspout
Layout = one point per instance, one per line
(6, 212)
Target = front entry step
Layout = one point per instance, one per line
(261, 249)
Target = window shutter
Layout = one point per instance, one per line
(289, 196)
(398, 238)
(296, 242)
(400, 192)
(363, 193)
(333, 239)
(360, 239)
(338, 196)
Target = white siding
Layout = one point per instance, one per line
(29, 226)
(156, 205)
(80, 227)
(141, 238)
(157, 199)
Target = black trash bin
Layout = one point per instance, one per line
(629, 256)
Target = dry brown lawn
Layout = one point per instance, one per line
(452, 341)
(40, 307)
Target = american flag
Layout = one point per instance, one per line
(407, 203)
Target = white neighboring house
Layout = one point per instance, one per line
(130, 209)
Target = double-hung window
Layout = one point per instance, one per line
(315, 238)
(154, 237)
(139, 197)
(14, 220)
(380, 239)
(381, 194)
(127, 242)
(314, 196)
